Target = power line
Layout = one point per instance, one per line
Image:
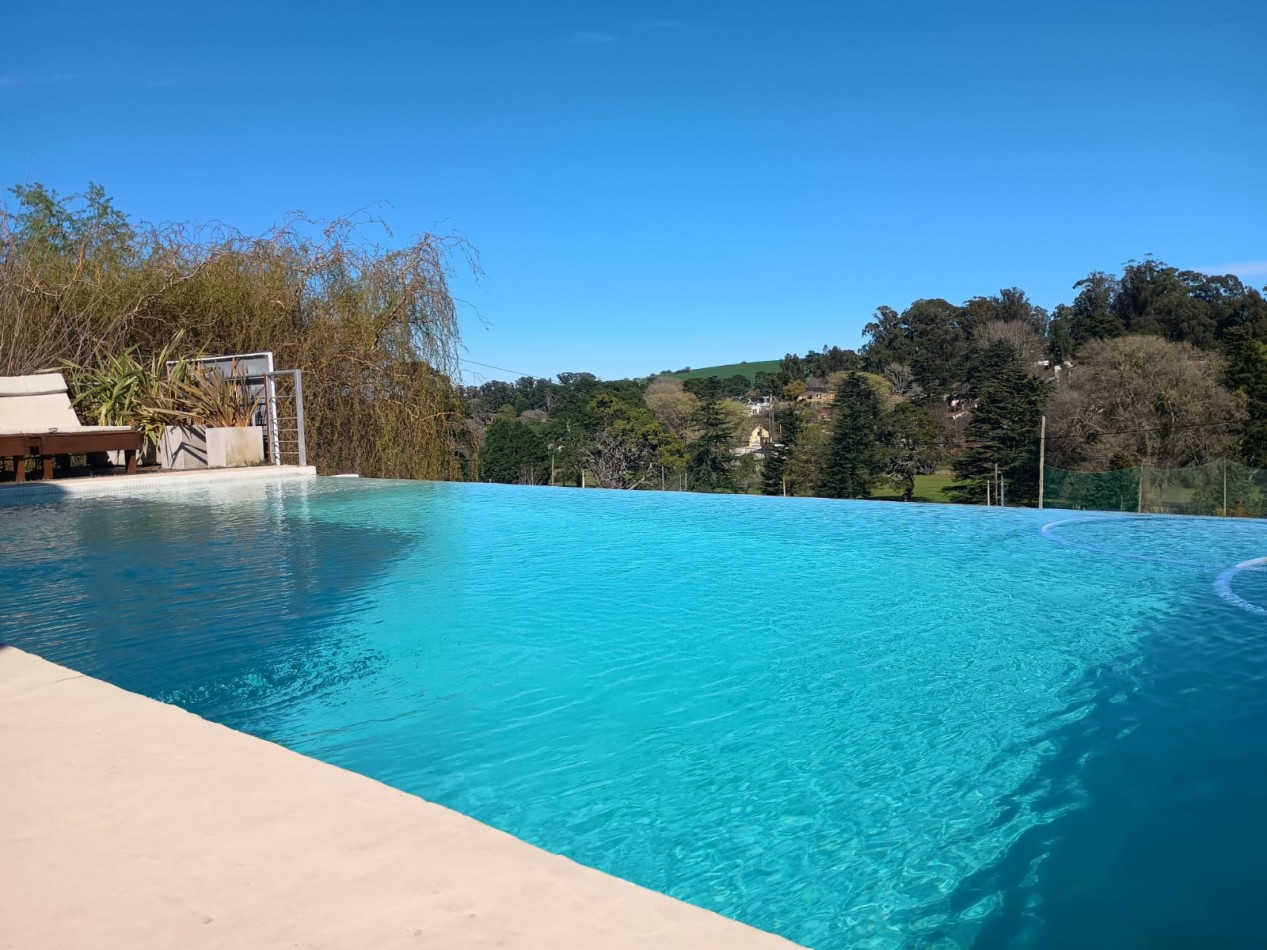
(501, 369)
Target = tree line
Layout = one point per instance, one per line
(1157, 366)
(1154, 365)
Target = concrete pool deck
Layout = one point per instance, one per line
(128, 823)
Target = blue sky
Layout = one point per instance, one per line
(658, 185)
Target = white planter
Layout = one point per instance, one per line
(232, 448)
(184, 447)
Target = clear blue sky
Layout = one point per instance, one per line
(657, 185)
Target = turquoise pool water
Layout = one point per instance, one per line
(857, 724)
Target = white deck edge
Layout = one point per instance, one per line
(41, 492)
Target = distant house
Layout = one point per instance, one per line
(758, 442)
(759, 404)
(817, 396)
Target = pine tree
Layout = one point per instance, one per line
(852, 461)
(709, 466)
(1003, 432)
(772, 469)
(1245, 368)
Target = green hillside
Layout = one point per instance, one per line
(733, 369)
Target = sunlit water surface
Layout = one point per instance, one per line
(857, 724)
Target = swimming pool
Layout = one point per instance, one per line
(851, 723)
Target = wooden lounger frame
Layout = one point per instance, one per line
(46, 446)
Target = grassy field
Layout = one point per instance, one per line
(927, 488)
(733, 369)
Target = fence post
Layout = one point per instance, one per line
(1042, 457)
(299, 416)
(1139, 504)
(270, 421)
(1225, 488)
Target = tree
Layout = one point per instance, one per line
(736, 385)
(931, 336)
(1010, 306)
(1246, 371)
(888, 340)
(804, 466)
(1153, 298)
(1024, 338)
(485, 401)
(709, 460)
(1234, 307)
(513, 453)
(832, 359)
(939, 333)
(791, 369)
(768, 384)
(673, 407)
(773, 468)
(1091, 316)
(852, 460)
(533, 393)
(630, 446)
(879, 384)
(901, 381)
(1142, 400)
(1004, 433)
(912, 443)
(984, 365)
(74, 277)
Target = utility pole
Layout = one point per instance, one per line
(1042, 458)
(998, 486)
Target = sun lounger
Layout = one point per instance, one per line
(38, 421)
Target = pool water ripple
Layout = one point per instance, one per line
(855, 724)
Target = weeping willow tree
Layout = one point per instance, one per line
(371, 323)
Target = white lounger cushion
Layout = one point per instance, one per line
(40, 384)
(41, 403)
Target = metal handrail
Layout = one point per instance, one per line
(273, 419)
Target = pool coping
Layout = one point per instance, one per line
(16, 493)
(130, 823)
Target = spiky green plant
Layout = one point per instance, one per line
(127, 390)
(209, 397)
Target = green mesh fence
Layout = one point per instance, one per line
(1218, 488)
